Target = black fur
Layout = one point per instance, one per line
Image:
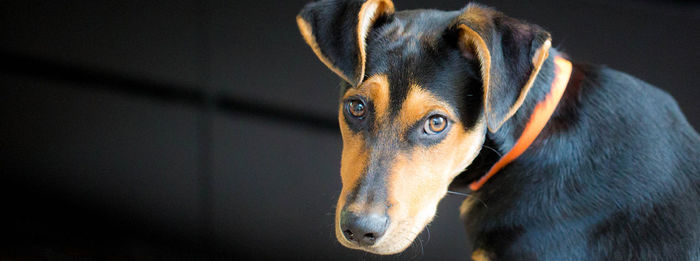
(615, 174)
(335, 27)
(432, 61)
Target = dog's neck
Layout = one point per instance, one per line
(497, 144)
(538, 119)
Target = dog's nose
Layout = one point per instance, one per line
(363, 229)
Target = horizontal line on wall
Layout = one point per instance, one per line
(84, 77)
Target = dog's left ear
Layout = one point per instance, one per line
(336, 31)
(510, 52)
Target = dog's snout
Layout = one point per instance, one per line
(363, 229)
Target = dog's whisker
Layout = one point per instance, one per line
(494, 150)
(427, 229)
(411, 236)
(412, 243)
(457, 193)
(421, 246)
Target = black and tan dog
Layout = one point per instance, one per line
(596, 164)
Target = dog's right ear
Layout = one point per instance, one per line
(336, 31)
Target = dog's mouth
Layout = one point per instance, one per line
(381, 234)
(399, 237)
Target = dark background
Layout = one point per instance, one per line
(206, 129)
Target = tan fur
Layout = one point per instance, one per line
(418, 104)
(417, 179)
(466, 206)
(480, 255)
(369, 12)
(377, 88)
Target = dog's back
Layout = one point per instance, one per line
(617, 178)
(650, 156)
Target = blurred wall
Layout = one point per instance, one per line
(206, 129)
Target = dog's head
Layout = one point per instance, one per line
(421, 90)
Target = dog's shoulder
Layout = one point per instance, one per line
(628, 173)
(624, 101)
(644, 138)
(628, 114)
(622, 88)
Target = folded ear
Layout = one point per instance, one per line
(510, 52)
(336, 31)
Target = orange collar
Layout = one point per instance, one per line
(543, 111)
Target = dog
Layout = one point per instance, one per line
(563, 160)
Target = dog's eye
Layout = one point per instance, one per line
(356, 108)
(435, 124)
